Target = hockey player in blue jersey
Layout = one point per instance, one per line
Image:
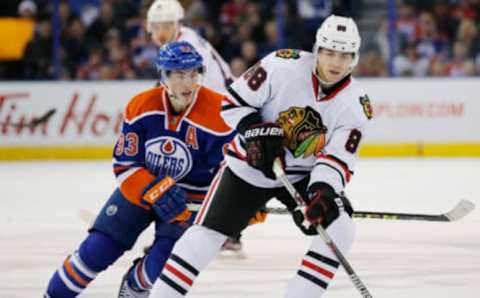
(164, 24)
(170, 148)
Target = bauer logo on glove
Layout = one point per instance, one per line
(264, 143)
(264, 131)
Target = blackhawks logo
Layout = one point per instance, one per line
(304, 131)
(288, 54)
(367, 106)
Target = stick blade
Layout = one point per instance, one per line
(458, 212)
(87, 217)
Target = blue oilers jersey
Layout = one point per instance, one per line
(155, 142)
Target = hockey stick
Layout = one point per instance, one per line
(359, 285)
(459, 211)
(35, 121)
(88, 216)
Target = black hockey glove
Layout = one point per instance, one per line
(323, 207)
(264, 143)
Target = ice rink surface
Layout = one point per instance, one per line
(40, 224)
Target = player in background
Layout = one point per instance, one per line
(306, 109)
(164, 23)
(171, 145)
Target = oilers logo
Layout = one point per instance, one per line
(168, 156)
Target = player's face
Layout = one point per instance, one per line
(332, 66)
(164, 32)
(182, 84)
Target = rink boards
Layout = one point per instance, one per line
(421, 117)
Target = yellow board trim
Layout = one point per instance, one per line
(367, 150)
(421, 150)
(56, 153)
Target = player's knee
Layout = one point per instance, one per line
(201, 238)
(98, 251)
(342, 231)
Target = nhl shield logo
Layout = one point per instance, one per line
(168, 156)
(111, 210)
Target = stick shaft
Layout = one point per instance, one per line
(359, 285)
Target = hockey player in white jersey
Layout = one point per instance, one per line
(307, 110)
(164, 24)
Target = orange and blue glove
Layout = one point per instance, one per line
(168, 200)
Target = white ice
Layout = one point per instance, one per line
(40, 224)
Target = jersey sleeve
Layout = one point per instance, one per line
(335, 165)
(249, 92)
(129, 160)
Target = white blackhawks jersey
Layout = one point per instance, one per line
(323, 129)
(217, 71)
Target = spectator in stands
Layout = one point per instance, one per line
(312, 13)
(65, 16)
(238, 66)
(229, 15)
(444, 21)
(75, 45)
(460, 64)
(371, 65)
(232, 47)
(271, 39)
(27, 9)
(38, 54)
(467, 33)
(429, 42)
(249, 53)
(96, 32)
(232, 26)
(407, 24)
(91, 70)
(409, 63)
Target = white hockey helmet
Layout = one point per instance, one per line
(339, 33)
(164, 11)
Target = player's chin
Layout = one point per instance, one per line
(186, 100)
(334, 77)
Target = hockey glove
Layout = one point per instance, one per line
(259, 217)
(322, 208)
(167, 200)
(264, 143)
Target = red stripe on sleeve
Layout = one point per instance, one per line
(345, 170)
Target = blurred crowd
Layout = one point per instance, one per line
(436, 38)
(106, 39)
